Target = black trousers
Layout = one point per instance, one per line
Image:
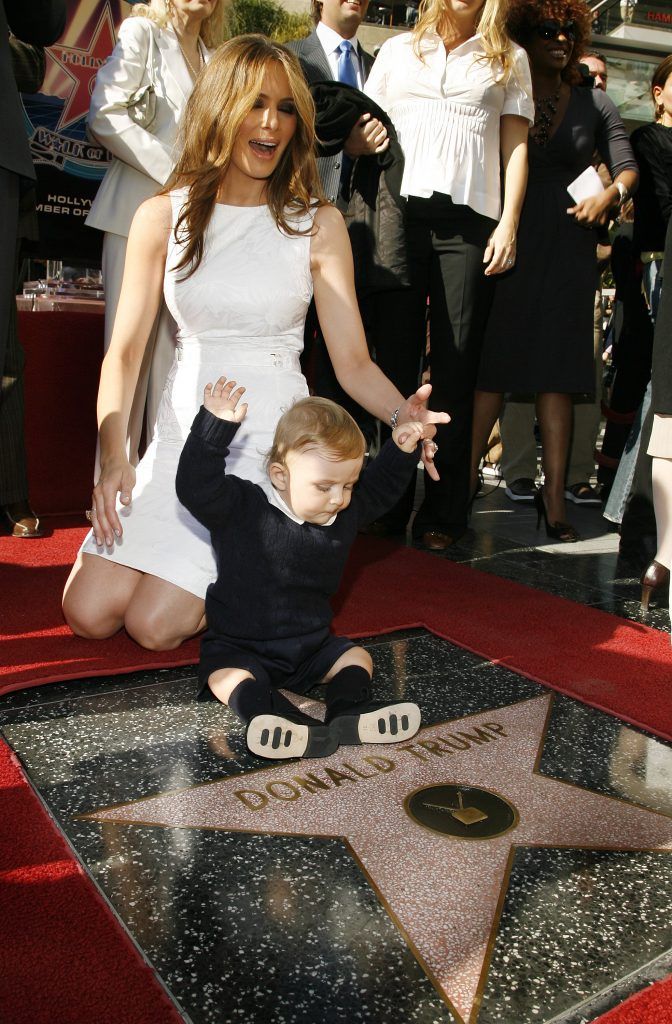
(445, 244)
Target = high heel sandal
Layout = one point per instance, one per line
(556, 531)
(653, 578)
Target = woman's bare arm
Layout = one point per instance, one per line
(338, 312)
(141, 291)
(502, 243)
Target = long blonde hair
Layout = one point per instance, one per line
(433, 16)
(213, 28)
(223, 95)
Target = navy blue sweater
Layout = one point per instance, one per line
(274, 576)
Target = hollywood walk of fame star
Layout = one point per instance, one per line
(80, 64)
(444, 893)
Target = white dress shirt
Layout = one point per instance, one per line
(330, 44)
(446, 109)
(275, 498)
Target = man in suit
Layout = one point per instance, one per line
(39, 23)
(332, 52)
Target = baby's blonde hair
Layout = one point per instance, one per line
(316, 423)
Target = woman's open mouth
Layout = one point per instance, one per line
(263, 148)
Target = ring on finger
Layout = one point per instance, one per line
(90, 514)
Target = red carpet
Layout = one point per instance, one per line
(64, 956)
(652, 1006)
(605, 661)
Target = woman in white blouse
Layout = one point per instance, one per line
(459, 94)
(161, 48)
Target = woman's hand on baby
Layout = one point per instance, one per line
(407, 436)
(222, 398)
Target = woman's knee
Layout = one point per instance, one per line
(87, 622)
(96, 596)
(155, 630)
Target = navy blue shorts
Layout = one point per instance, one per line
(288, 663)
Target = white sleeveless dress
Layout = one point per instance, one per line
(242, 315)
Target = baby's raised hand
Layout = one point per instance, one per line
(222, 400)
(407, 435)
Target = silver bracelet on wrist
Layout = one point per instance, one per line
(394, 418)
(623, 192)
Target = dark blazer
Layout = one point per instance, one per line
(375, 210)
(661, 370)
(39, 22)
(315, 67)
(314, 60)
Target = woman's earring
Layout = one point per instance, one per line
(169, 8)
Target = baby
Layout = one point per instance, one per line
(281, 551)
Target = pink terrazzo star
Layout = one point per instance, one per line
(444, 893)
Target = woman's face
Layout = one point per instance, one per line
(663, 98)
(196, 10)
(464, 9)
(268, 129)
(551, 44)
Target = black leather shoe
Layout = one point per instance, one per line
(435, 540)
(380, 528)
(22, 520)
(376, 722)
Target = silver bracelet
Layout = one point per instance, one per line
(623, 192)
(394, 418)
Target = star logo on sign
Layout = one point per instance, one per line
(81, 65)
(433, 823)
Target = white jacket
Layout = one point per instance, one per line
(142, 159)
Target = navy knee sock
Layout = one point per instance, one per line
(348, 688)
(252, 697)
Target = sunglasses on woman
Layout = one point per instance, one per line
(550, 29)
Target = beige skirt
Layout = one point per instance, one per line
(660, 444)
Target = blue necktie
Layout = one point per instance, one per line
(347, 75)
(346, 67)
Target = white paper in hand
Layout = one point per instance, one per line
(587, 184)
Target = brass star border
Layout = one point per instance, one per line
(424, 879)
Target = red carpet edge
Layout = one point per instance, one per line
(617, 666)
(64, 954)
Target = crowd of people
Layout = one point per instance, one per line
(272, 210)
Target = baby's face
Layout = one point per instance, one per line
(318, 484)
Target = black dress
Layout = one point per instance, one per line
(652, 146)
(539, 336)
(661, 371)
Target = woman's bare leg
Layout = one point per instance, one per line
(160, 615)
(103, 597)
(661, 474)
(97, 595)
(487, 407)
(554, 412)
